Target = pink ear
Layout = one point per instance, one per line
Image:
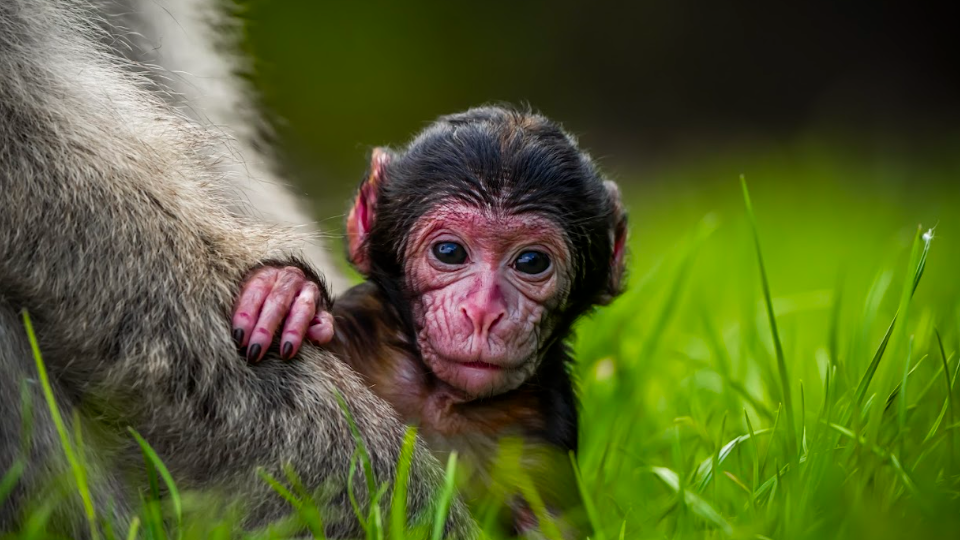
(619, 246)
(618, 240)
(362, 215)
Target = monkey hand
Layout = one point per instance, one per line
(272, 295)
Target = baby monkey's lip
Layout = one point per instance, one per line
(476, 364)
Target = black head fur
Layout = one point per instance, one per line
(506, 160)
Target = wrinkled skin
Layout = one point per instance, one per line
(480, 323)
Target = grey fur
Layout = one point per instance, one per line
(117, 234)
(192, 68)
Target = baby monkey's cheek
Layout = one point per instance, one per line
(431, 312)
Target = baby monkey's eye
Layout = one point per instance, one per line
(532, 262)
(449, 252)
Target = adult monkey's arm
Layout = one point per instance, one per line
(115, 236)
(190, 51)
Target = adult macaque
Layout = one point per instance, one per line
(117, 236)
(482, 242)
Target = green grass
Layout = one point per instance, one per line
(791, 393)
(780, 367)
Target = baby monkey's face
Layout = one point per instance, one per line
(485, 288)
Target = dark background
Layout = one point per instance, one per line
(642, 83)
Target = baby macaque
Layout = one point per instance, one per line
(482, 242)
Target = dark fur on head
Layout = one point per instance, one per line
(509, 160)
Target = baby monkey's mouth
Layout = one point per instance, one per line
(481, 365)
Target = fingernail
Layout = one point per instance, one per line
(254, 353)
(287, 350)
(238, 336)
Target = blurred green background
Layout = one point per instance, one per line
(844, 120)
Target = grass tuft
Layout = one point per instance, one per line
(76, 467)
(778, 347)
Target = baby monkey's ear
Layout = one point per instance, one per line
(618, 242)
(364, 211)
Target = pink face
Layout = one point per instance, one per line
(482, 283)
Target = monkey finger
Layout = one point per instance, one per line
(321, 328)
(289, 282)
(298, 319)
(252, 296)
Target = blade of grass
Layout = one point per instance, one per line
(938, 421)
(375, 531)
(930, 384)
(919, 265)
(10, 479)
(946, 378)
(78, 473)
(693, 501)
(706, 468)
(134, 528)
(778, 347)
(36, 524)
(364, 456)
(867, 377)
(308, 511)
(756, 453)
(545, 521)
(716, 455)
(803, 421)
(739, 483)
(278, 487)
(902, 404)
(868, 316)
(151, 455)
(351, 492)
(826, 409)
(927, 450)
(150, 510)
(723, 367)
(922, 265)
(307, 517)
(106, 522)
(896, 389)
(446, 497)
(587, 501)
(398, 505)
(892, 458)
(26, 418)
(833, 339)
(773, 433)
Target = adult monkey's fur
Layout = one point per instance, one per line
(117, 234)
(185, 49)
